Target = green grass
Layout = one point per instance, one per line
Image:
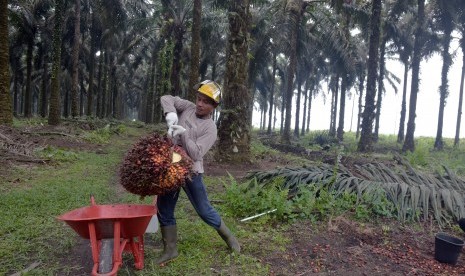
(30, 230)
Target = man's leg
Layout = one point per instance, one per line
(197, 195)
(166, 205)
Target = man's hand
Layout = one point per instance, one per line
(171, 118)
(175, 130)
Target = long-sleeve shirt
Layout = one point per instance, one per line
(200, 134)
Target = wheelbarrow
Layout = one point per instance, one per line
(112, 228)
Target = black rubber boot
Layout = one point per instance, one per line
(169, 237)
(229, 238)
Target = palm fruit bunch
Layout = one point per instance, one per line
(155, 166)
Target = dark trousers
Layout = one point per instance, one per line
(197, 194)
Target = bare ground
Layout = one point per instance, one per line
(342, 246)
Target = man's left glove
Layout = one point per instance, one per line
(171, 118)
(175, 130)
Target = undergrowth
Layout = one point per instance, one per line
(312, 202)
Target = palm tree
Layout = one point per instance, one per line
(176, 18)
(461, 28)
(444, 12)
(28, 18)
(366, 139)
(390, 32)
(95, 37)
(75, 59)
(404, 44)
(195, 48)
(348, 66)
(361, 88)
(54, 111)
(234, 128)
(6, 112)
(409, 143)
(295, 10)
(271, 99)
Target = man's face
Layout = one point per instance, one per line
(204, 106)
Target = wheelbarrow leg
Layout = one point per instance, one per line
(94, 246)
(138, 252)
(117, 247)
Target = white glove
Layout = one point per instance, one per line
(175, 130)
(171, 118)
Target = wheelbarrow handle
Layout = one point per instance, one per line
(154, 200)
(92, 200)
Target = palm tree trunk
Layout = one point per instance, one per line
(295, 14)
(335, 96)
(409, 143)
(109, 85)
(262, 119)
(304, 112)
(28, 96)
(177, 63)
(16, 108)
(234, 127)
(444, 88)
(361, 88)
(382, 67)
(115, 111)
(403, 111)
(283, 108)
(195, 48)
(151, 88)
(104, 88)
(273, 82)
(75, 60)
(297, 109)
(43, 90)
(264, 111)
(99, 107)
(54, 112)
(90, 90)
(459, 112)
(93, 50)
(310, 99)
(82, 94)
(366, 140)
(6, 112)
(342, 108)
(274, 117)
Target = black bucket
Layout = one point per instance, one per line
(447, 248)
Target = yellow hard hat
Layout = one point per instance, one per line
(209, 88)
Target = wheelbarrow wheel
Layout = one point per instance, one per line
(106, 256)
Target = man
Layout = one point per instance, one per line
(191, 126)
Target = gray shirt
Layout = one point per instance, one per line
(200, 134)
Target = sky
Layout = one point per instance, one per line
(427, 102)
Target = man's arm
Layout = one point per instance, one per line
(197, 149)
(174, 104)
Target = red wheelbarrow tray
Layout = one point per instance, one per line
(134, 219)
(121, 222)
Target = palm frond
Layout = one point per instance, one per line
(416, 195)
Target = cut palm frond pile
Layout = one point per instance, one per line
(155, 166)
(12, 146)
(416, 195)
